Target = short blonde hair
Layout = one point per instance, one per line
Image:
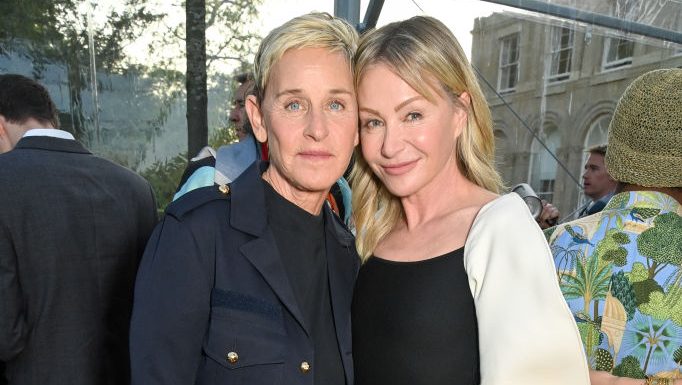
(422, 51)
(313, 30)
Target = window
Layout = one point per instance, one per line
(678, 51)
(617, 53)
(509, 63)
(543, 166)
(562, 52)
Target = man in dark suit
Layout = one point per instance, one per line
(73, 227)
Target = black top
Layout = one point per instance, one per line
(300, 238)
(415, 323)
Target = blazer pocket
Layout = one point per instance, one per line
(236, 342)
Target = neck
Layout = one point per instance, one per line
(675, 192)
(447, 192)
(309, 201)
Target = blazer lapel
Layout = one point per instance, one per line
(342, 267)
(249, 214)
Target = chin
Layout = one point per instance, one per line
(314, 182)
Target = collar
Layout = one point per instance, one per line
(645, 199)
(248, 211)
(52, 132)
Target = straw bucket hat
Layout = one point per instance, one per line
(645, 134)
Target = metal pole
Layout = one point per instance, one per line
(349, 10)
(593, 18)
(372, 15)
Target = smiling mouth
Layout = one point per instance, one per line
(399, 168)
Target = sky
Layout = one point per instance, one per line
(458, 15)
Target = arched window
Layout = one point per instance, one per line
(543, 167)
(598, 132)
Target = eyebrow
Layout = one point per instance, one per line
(406, 102)
(396, 109)
(296, 91)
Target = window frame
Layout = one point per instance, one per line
(506, 66)
(556, 49)
(619, 62)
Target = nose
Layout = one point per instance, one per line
(316, 127)
(234, 115)
(393, 142)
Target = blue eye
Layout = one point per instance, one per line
(294, 106)
(336, 106)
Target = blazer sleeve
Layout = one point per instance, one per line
(171, 307)
(526, 331)
(13, 327)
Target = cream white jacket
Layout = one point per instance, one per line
(527, 335)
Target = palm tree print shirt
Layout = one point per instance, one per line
(620, 272)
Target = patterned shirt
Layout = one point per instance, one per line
(620, 272)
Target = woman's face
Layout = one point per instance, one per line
(309, 118)
(408, 141)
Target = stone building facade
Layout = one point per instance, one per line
(560, 81)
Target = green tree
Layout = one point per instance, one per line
(229, 41)
(623, 291)
(610, 248)
(662, 243)
(629, 367)
(591, 282)
(57, 31)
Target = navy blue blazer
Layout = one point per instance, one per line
(213, 303)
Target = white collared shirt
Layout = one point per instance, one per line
(49, 132)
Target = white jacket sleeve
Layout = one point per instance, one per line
(527, 334)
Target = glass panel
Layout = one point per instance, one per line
(116, 70)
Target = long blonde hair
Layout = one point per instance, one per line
(420, 50)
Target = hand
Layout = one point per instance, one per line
(549, 215)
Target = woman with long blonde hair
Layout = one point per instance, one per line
(458, 285)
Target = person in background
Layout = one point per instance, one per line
(211, 166)
(251, 282)
(73, 227)
(598, 185)
(620, 269)
(238, 118)
(457, 285)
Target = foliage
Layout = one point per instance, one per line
(643, 290)
(589, 334)
(638, 273)
(629, 367)
(604, 360)
(623, 291)
(565, 258)
(165, 176)
(677, 356)
(610, 247)
(591, 282)
(663, 242)
(663, 306)
(231, 37)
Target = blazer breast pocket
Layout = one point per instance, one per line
(246, 341)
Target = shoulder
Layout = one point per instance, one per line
(505, 210)
(506, 223)
(199, 199)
